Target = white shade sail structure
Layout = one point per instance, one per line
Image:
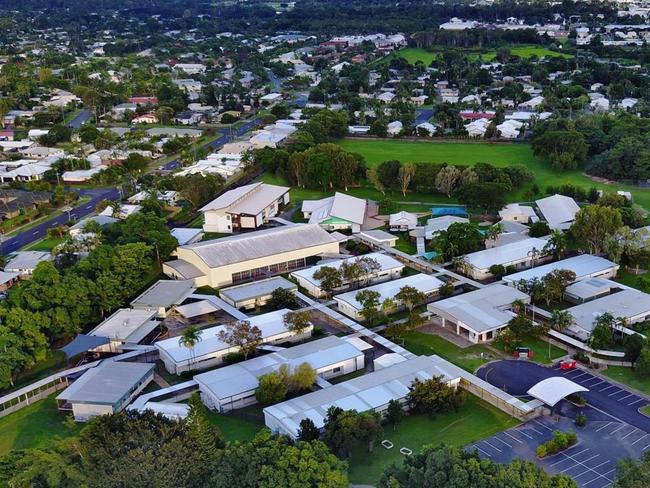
(552, 390)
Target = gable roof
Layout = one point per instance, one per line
(341, 206)
(558, 210)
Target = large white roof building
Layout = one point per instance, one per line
(335, 213)
(244, 257)
(558, 210)
(519, 254)
(584, 266)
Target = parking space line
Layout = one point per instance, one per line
(576, 454)
(626, 396)
(560, 461)
(615, 393)
(501, 440)
(645, 447)
(578, 376)
(590, 469)
(523, 433)
(595, 384)
(602, 464)
(606, 425)
(607, 388)
(575, 465)
(639, 439)
(629, 434)
(484, 452)
(528, 426)
(616, 430)
(513, 437)
(543, 425)
(493, 447)
(635, 401)
(591, 481)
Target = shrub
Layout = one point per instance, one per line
(560, 442)
(510, 269)
(446, 290)
(541, 451)
(581, 420)
(577, 399)
(317, 331)
(233, 357)
(497, 270)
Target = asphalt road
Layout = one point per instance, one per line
(81, 118)
(620, 404)
(219, 142)
(423, 115)
(39, 231)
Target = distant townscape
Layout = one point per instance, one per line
(324, 244)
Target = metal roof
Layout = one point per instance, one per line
(558, 210)
(552, 390)
(583, 265)
(250, 291)
(258, 244)
(126, 325)
(164, 293)
(627, 304)
(107, 383)
(506, 254)
(422, 282)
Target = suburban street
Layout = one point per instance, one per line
(80, 119)
(40, 231)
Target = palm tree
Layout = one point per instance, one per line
(557, 244)
(561, 319)
(190, 338)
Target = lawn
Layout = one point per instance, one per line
(645, 410)
(233, 427)
(45, 244)
(38, 425)
(404, 244)
(540, 349)
(468, 358)
(468, 153)
(474, 421)
(629, 377)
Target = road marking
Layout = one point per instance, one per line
(629, 434)
(528, 426)
(635, 401)
(501, 440)
(610, 386)
(615, 393)
(595, 384)
(586, 460)
(590, 469)
(601, 428)
(602, 464)
(543, 425)
(578, 376)
(523, 433)
(616, 430)
(639, 439)
(645, 447)
(623, 398)
(484, 452)
(577, 454)
(493, 447)
(591, 481)
(513, 437)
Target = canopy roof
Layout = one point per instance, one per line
(83, 343)
(552, 390)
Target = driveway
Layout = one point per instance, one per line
(617, 403)
(77, 213)
(80, 119)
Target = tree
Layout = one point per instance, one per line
(271, 389)
(369, 428)
(388, 172)
(594, 224)
(447, 180)
(379, 128)
(242, 335)
(330, 278)
(202, 431)
(633, 345)
(642, 365)
(164, 114)
(394, 413)
(601, 335)
(556, 245)
(282, 298)
(458, 239)
(565, 149)
(632, 473)
(145, 227)
(443, 466)
(539, 229)
(555, 283)
(341, 430)
(433, 396)
(308, 431)
(135, 163)
(297, 322)
(302, 378)
(270, 461)
(488, 197)
(369, 300)
(405, 176)
(410, 296)
(189, 339)
(373, 178)
(561, 319)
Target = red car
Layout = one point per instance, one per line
(568, 364)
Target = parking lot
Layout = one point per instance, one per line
(591, 462)
(618, 404)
